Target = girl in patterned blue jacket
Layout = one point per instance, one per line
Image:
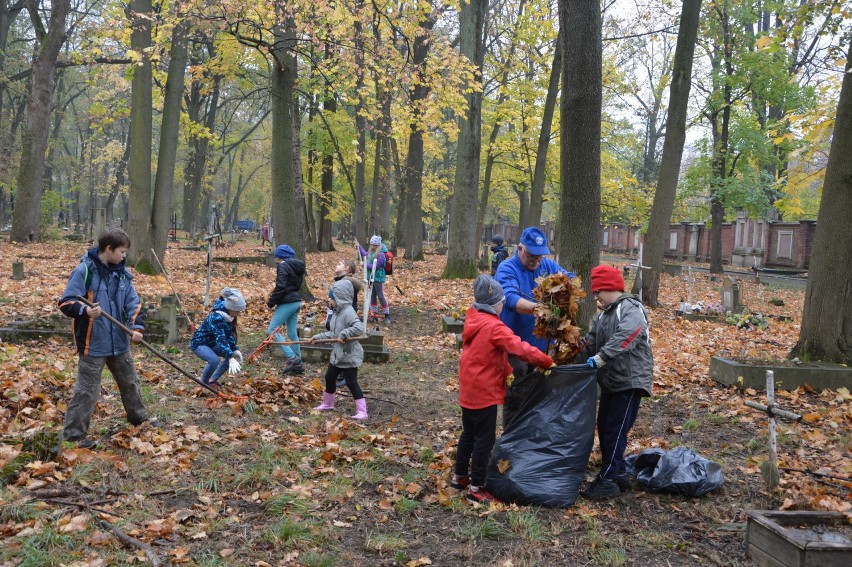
(215, 341)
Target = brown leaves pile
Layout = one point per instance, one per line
(558, 297)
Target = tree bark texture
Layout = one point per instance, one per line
(537, 189)
(360, 220)
(664, 197)
(282, 93)
(462, 251)
(25, 218)
(327, 178)
(826, 332)
(578, 240)
(141, 132)
(169, 133)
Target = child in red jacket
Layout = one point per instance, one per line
(483, 369)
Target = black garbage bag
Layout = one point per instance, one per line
(679, 471)
(545, 446)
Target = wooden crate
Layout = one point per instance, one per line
(798, 539)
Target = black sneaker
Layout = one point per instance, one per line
(387, 319)
(297, 369)
(624, 482)
(601, 489)
(87, 444)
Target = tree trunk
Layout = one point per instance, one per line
(418, 93)
(139, 166)
(169, 135)
(25, 219)
(580, 110)
(537, 189)
(826, 332)
(360, 220)
(462, 252)
(282, 94)
(327, 178)
(664, 197)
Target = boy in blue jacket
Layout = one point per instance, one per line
(103, 279)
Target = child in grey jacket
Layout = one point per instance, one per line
(346, 355)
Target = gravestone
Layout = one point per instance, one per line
(168, 313)
(17, 271)
(731, 296)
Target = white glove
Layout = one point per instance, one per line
(238, 355)
(233, 366)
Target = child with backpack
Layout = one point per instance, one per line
(215, 341)
(346, 355)
(483, 369)
(619, 346)
(376, 253)
(103, 280)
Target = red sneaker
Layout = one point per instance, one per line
(460, 482)
(478, 494)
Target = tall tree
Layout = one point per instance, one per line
(826, 332)
(25, 219)
(461, 255)
(664, 197)
(140, 14)
(578, 240)
(537, 189)
(167, 155)
(282, 101)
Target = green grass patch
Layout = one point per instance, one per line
(384, 542)
(527, 524)
(286, 503)
(48, 547)
(614, 556)
(691, 424)
(290, 533)
(487, 528)
(314, 559)
(406, 505)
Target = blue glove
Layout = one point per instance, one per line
(591, 363)
(595, 361)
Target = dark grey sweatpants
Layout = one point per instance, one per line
(88, 389)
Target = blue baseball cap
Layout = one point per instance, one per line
(284, 252)
(535, 241)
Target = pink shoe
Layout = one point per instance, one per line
(360, 409)
(327, 402)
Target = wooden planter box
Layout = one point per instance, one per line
(798, 539)
(819, 375)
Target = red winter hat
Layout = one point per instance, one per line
(607, 278)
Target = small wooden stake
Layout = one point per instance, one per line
(770, 467)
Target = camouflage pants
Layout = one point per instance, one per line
(88, 389)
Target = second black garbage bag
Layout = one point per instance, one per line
(541, 456)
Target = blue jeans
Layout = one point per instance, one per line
(287, 314)
(215, 366)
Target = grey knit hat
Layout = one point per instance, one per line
(234, 300)
(487, 291)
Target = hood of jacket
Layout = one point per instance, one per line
(96, 262)
(298, 266)
(343, 293)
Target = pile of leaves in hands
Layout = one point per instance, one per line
(558, 299)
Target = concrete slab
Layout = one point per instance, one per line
(819, 375)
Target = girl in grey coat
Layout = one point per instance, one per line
(346, 355)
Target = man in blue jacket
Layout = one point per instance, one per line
(517, 275)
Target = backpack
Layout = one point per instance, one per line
(388, 263)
